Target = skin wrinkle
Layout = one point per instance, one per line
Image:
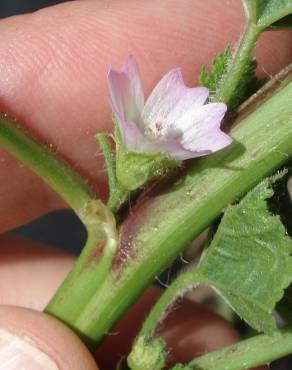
(49, 335)
(58, 88)
(33, 340)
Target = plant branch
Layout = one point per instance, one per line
(45, 163)
(247, 354)
(227, 87)
(164, 222)
(148, 351)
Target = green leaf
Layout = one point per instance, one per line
(246, 86)
(248, 262)
(263, 13)
(284, 23)
(219, 67)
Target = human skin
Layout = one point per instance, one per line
(53, 75)
(53, 80)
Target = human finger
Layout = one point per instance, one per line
(30, 272)
(32, 340)
(53, 75)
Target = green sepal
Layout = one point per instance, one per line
(118, 195)
(135, 169)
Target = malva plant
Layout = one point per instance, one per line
(174, 120)
(173, 125)
(233, 188)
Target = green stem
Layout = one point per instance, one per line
(183, 282)
(166, 221)
(237, 66)
(45, 163)
(247, 354)
(88, 273)
(149, 352)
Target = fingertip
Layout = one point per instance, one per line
(36, 341)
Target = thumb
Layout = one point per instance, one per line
(31, 340)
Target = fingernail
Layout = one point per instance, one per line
(19, 353)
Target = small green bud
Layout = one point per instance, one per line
(147, 355)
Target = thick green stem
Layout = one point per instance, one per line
(237, 66)
(256, 351)
(165, 221)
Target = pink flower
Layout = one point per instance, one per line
(174, 120)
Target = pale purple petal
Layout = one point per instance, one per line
(170, 99)
(132, 71)
(174, 149)
(173, 121)
(132, 138)
(201, 128)
(126, 91)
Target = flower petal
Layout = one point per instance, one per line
(126, 91)
(201, 128)
(132, 138)
(176, 150)
(170, 99)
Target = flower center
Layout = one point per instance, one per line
(156, 130)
